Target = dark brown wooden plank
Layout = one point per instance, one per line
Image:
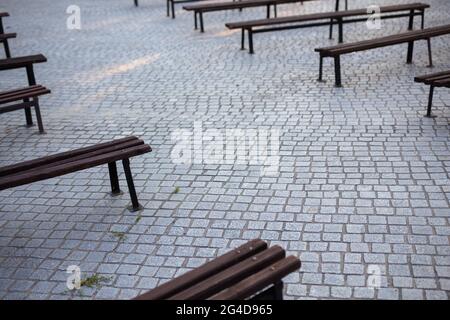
(22, 166)
(55, 171)
(229, 5)
(385, 41)
(431, 76)
(4, 36)
(24, 95)
(9, 92)
(4, 14)
(231, 275)
(20, 62)
(16, 106)
(437, 80)
(324, 15)
(260, 280)
(94, 153)
(206, 270)
(442, 83)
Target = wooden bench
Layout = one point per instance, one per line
(171, 5)
(251, 271)
(440, 79)
(26, 62)
(23, 98)
(5, 36)
(337, 17)
(79, 159)
(407, 37)
(201, 8)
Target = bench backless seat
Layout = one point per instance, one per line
(253, 270)
(407, 37)
(440, 79)
(23, 98)
(337, 17)
(201, 8)
(79, 159)
(171, 5)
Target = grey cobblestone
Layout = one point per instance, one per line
(363, 176)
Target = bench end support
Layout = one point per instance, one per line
(320, 69)
(430, 103)
(114, 179)
(135, 206)
(430, 57)
(409, 54)
(337, 71)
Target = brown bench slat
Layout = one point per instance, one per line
(20, 62)
(5, 36)
(9, 92)
(431, 76)
(392, 37)
(15, 168)
(16, 106)
(217, 6)
(403, 37)
(260, 280)
(117, 147)
(231, 275)
(441, 79)
(323, 15)
(206, 270)
(24, 94)
(442, 83)
(4, 14)
(51, 172)
(386, 41)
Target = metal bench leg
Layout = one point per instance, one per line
(173, 9)
(410, 52)
(331, 29)
(331, 20)
(6, 47)
(168, 7)
(430, 57)
(250, 41)
(275, 10)
(337, 71)
(195, 20)
(341, 32)
(278, 291)
(320, 68)
(243, 39)
(114, 179)
(346, 4)
(38, 115)
(136, 3)
(31, 82)
(28, 116)
(430, 102)
(268, 11)
(411, 20)
(422, 14)
(202, 28)
(134, 200)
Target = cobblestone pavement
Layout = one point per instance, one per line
(363, 185)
